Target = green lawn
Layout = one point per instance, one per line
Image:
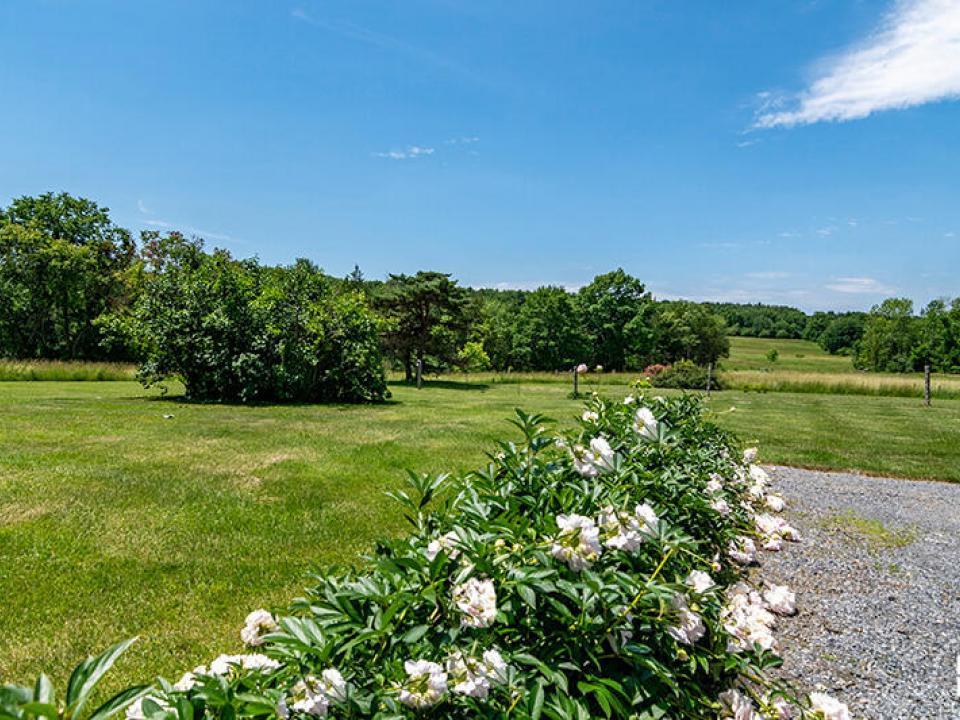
(747, 353)
(115, 521)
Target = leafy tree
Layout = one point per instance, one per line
(473, 358)
(62, 265)
(939, 336)
(689, 331)
(759, 320)
(548, 333)
(235, 331)
(618, 316)
(889, 337)
(842, 333)
(425, 316)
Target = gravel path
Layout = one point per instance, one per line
(877, 578)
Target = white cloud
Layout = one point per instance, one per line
(826, 231)
(462, 140)
(141, 206)
(913, 58)
(949, 234)
(188, 230)
(414, 151)
(860, 286)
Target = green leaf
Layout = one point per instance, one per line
(413, 634)
(119, 701)
(88, 673)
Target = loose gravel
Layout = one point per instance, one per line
(877, 578)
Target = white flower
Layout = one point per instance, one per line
(308, 698)
(689, 627)
(629, 400)
(759, 475)
(257, 624)
(599, 368)
(749, 455)
(736, 705)
(714, 485)
(189, 679)
(625, 531)
(596, 459)
(699, 581)
(582, 368)
(223, 663)
(742, 551)
(747, 620)
(578, 543)
(828, 708)
(590, 416)
(775, 503)
(333, 684)
(646, 424)
(446, 543)
(475, 676)
(426, 684)
(477, 600)
(773, 527)
(780, 599)
(721, 506)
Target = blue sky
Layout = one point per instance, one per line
(799, 152)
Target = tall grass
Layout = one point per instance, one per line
(945, 387)
(54, 370)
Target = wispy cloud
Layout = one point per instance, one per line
(860, 286)
(141, 206)
(352, 31)
(409, 153)
(913, 58)
(188, 230)
(747, 143)
(827, 231)
(462, 140)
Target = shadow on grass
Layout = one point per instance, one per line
(184, 400)
(441, 385)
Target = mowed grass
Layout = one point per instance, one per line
(116, 521)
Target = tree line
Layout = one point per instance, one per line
(77, 286)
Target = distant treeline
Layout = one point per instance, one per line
(77, 286)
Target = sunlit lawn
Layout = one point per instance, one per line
(116, 521)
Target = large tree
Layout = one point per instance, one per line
(889, 337)
(548, 334)
(688, 331)
(425, 318)
(62, 265)
(617, 315)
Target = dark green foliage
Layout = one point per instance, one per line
(842, 333)
(685, 375)
(425, 319)
(62, 264)
(688, 331)
(889, 337)
(548, 334)
(235, 331)
(618, 315)
(757, 320)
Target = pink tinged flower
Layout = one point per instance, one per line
(578, 542)
(736, 705)
(699, 581)
(445, 543)
(742, 550)
(477, 600)
(749, 455)
(783, 710)
(829, 708)
(775, 503)
(582, 368)
(257, 624)
(689, 627)
(780, 599)
(721, 506)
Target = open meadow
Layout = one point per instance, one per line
(126, 514)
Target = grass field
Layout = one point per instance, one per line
(115, 520)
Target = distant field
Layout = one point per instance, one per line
(116, 520)
(57, 370)
(748, 353)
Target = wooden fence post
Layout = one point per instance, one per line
(926, 384)
(576, 382)
(419, 373)
(709, 377)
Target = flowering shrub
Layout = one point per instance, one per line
(596, 573)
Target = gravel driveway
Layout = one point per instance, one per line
(877, 578)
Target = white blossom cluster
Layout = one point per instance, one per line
(313, 695)
(593, 460)
(428, 682)
(258, 623)
(579, 543)
(477, 601)
(735, 705)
